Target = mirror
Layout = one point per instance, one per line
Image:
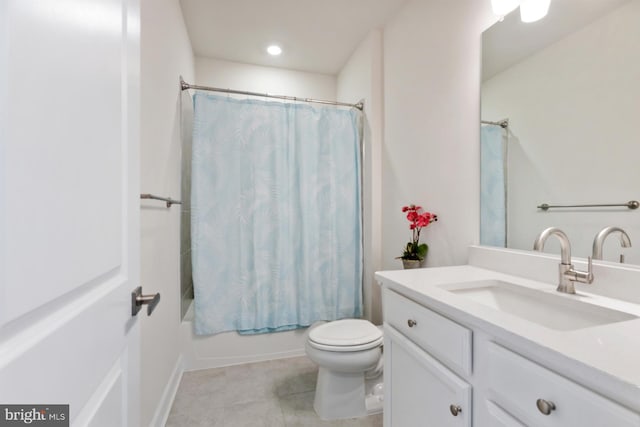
(569, 86)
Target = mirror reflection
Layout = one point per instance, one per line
(563, 99)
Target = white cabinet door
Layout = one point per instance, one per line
(419, 391)
(69, 208)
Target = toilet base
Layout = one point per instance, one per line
(341, 396)
(374, 404)
(374, 399)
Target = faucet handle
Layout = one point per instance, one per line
(586, 276)
(581, 276)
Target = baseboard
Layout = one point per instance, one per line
(164, 407)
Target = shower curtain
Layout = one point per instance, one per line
(493, 208)
(276, 215)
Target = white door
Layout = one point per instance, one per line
(69, 227)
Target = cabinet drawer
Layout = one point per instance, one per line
(499, 418)
(444, 339)
(516, 384)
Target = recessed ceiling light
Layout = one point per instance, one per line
(274, 50)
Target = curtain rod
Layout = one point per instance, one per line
(502, 123)
(185, 86)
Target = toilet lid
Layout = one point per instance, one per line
(346, 333)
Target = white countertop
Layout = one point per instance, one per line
(605, 358)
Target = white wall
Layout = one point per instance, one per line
(361, 79)
(573, 111)
(166, 53)
(256, 78)
(431, 121)
(230, 348)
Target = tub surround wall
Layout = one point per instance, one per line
(186, 275)
(166, 54)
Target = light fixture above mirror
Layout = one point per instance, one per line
(502, 8)
(533, 10)
(530, 10)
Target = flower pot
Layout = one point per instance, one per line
(413, 263)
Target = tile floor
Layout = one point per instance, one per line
(277, 393)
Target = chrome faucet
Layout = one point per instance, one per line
(567, 274)
(598, 241)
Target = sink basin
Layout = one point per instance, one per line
(554, 311)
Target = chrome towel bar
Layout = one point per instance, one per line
(169, 200)
(632, 204)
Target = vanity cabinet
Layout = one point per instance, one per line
(430, 378)
(421, 391)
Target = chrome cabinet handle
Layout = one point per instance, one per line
(411, 323)
(138, 300)
(545, 406)
(455, 410)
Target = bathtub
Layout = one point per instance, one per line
(230, 348)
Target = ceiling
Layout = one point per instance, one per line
(510, 41)
(315, 35)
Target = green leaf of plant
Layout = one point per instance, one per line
(422, 250)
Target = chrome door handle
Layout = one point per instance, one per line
(138, 300)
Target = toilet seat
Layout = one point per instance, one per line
(346, 335)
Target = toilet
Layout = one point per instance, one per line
(349, 355)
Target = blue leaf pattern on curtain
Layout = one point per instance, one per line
(276, 215)
(493, 209)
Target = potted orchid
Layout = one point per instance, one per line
(415, 253)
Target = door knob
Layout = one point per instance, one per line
(138, 300)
